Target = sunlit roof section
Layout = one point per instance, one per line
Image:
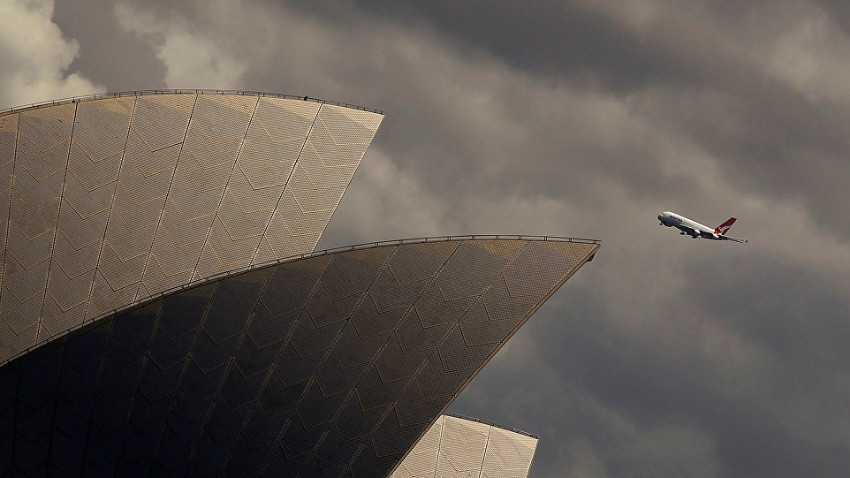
(461, 447)
(108, 201)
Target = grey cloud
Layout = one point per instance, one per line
(764, 134)
(754, 153)
(550, 38)
(799, 314)
(36, 57)
(119, 59)
(597, 367)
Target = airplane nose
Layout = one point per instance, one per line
(660, 217)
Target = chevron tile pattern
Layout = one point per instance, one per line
(331, 365)
(326, 165)
(273, 144)
(100, 133)
(8, 142)
(41, 158)
(455, 447)
(107, 202)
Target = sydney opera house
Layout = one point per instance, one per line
(165, 313)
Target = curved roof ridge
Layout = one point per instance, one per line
(390, 242)
(357, 247)
(495, 425)
(416, 240)
(297, 257)
(176, 91)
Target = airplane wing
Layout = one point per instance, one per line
(690, 231)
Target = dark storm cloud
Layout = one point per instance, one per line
(119, 59)
(775, 127)
(549, 38)
(754, 153)
(838, 10)
(683, 73)
(769, 139)
(549, 41)
(761, 425)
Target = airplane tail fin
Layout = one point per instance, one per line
(724, 228)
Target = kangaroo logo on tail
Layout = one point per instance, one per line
(724, 228)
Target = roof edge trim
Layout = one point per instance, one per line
(202, 91)
(357, 247)
(494, 425)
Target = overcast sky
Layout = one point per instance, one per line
(665, 356)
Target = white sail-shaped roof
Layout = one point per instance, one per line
(108, 201)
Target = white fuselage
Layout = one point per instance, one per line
(687, 226)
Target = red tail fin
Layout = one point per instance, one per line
(724, 228)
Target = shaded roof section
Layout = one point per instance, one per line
(334, 363)
(460, 447)
(108, 201)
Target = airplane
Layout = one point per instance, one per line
(695, 229)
